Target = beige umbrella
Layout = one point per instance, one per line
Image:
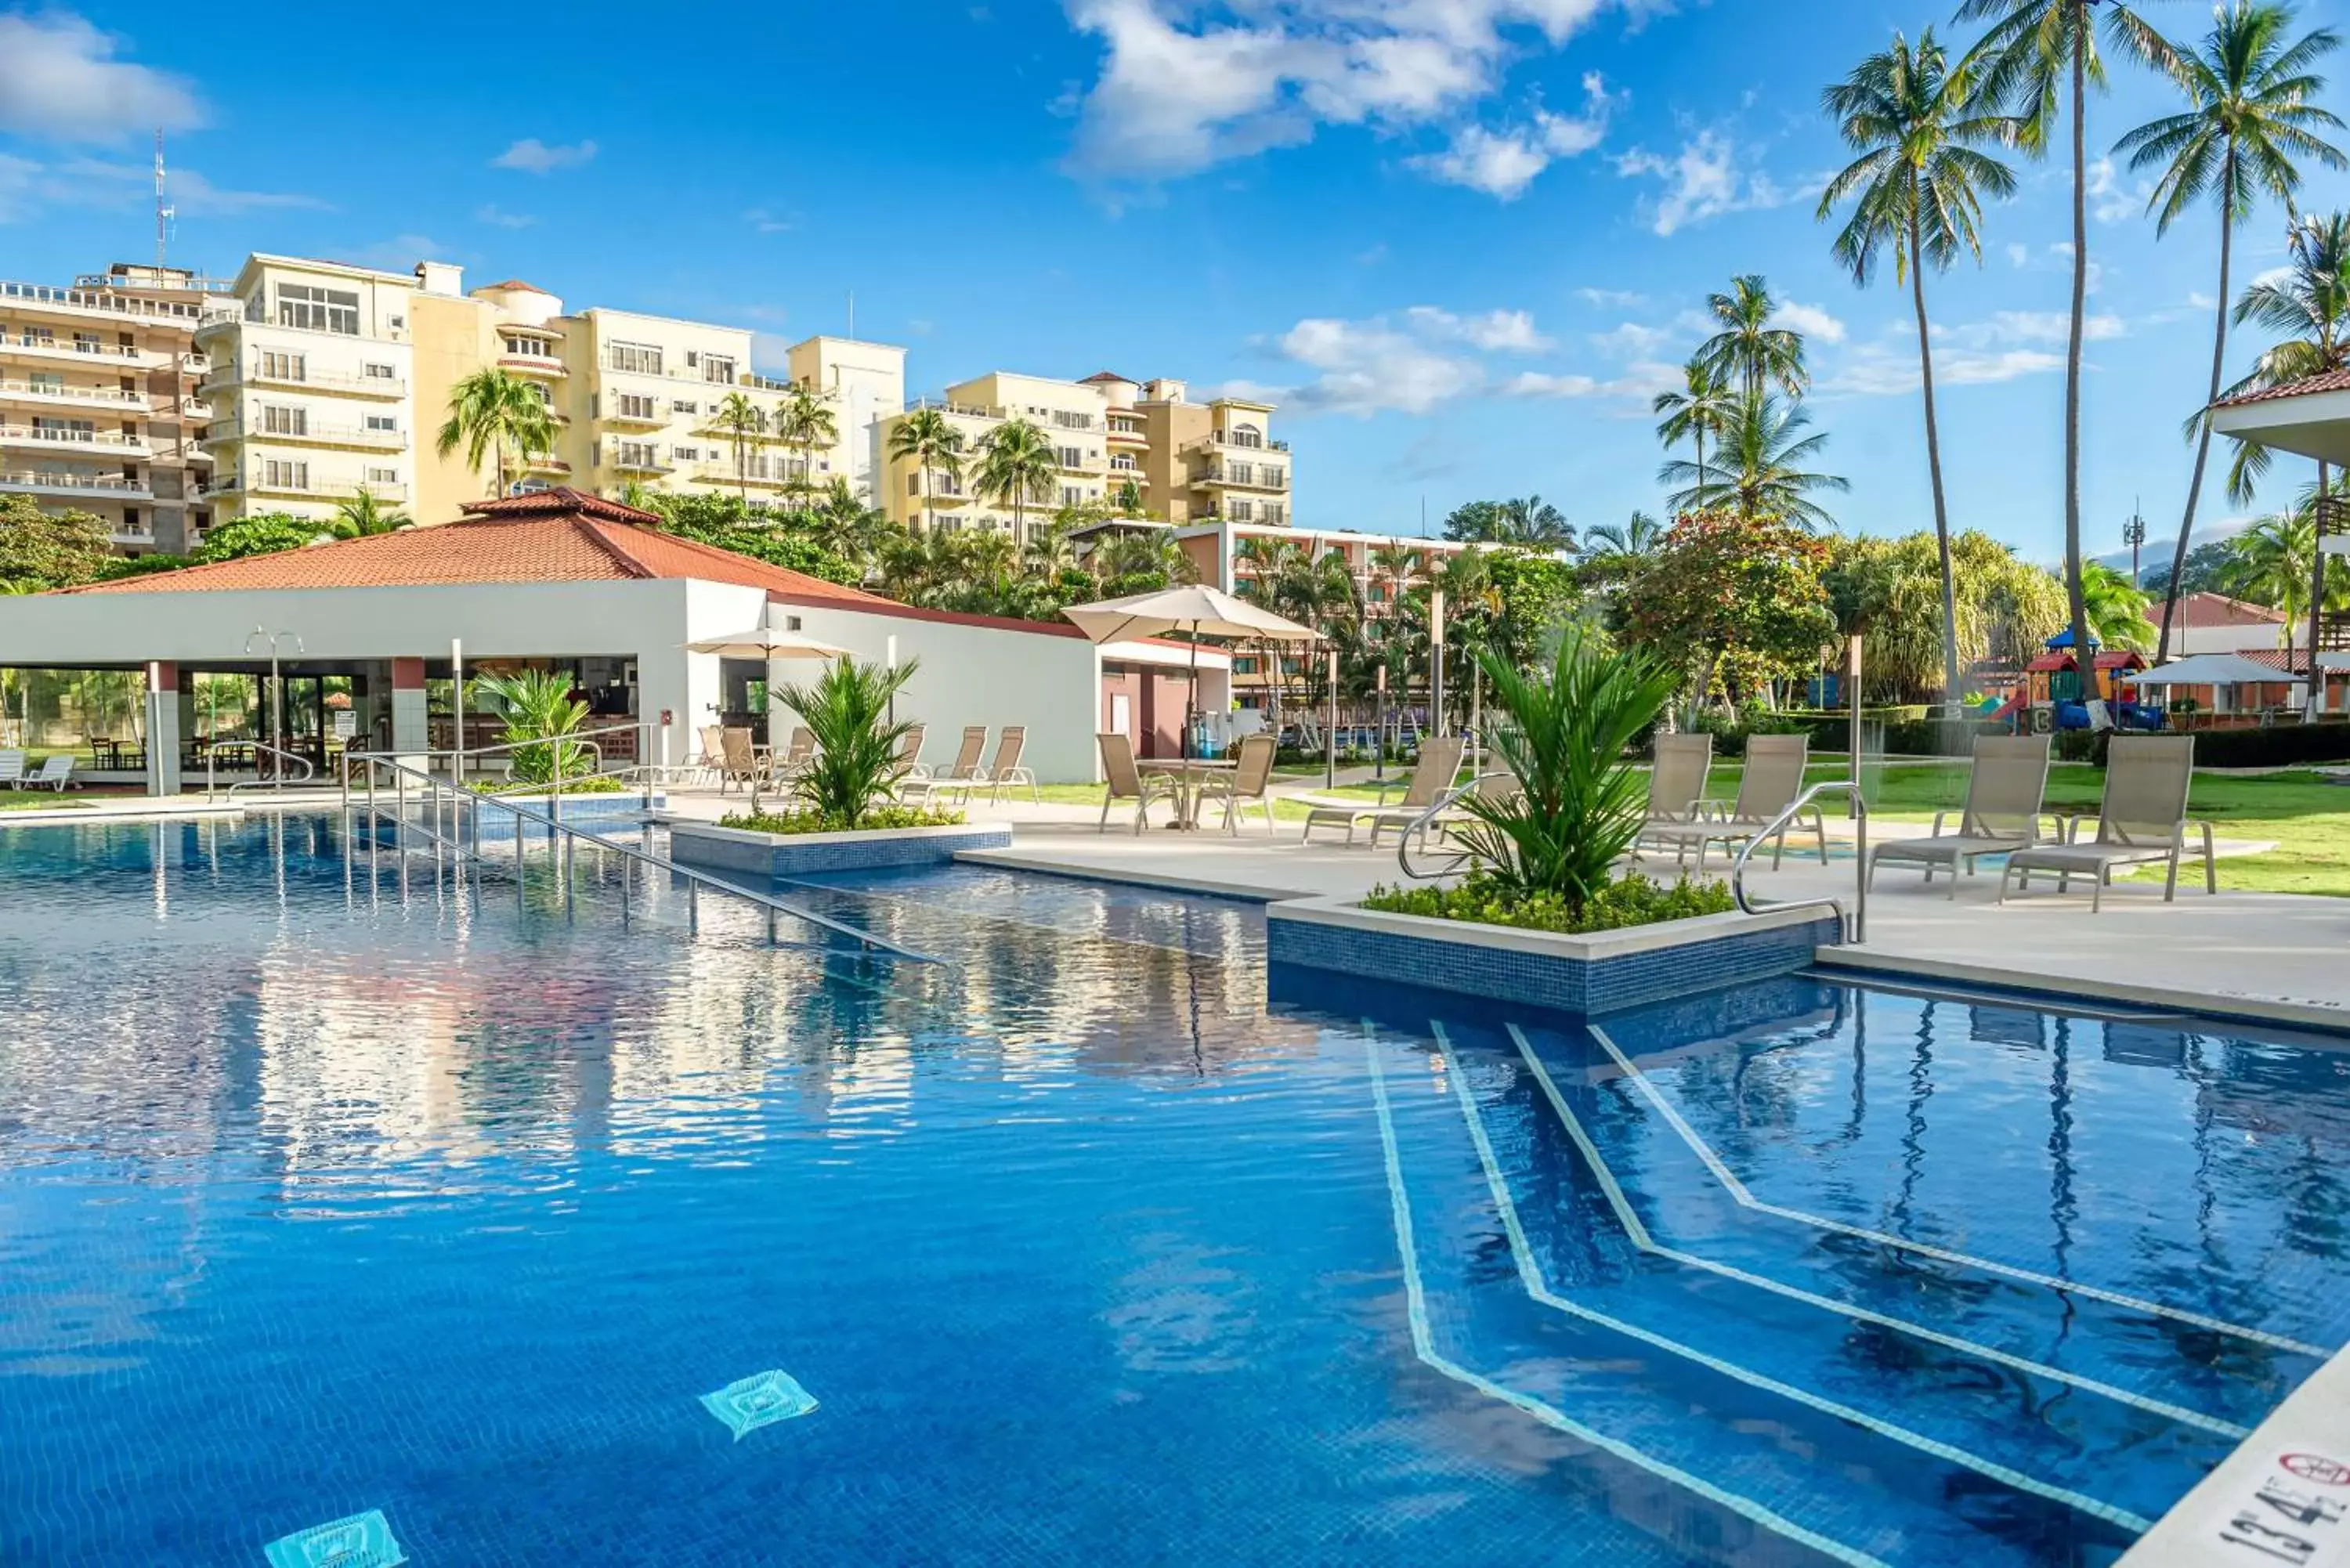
(765, 642)
(1192, 608)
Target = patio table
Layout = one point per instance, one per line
(1189, 774)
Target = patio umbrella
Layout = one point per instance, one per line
(2212, 669)
(765, 642)
(1193, 608)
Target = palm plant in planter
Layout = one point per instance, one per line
(538, 707)
(856, 764)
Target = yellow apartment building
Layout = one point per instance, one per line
(99, 407)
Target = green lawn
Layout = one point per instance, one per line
(44, 800)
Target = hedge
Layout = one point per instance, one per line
(2279, 746)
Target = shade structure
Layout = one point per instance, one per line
(2213, 669)
(1195, 609)
(765, 642)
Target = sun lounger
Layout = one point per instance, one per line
(1123, 780)
(1006, 772)
(1249, 782)
(958, 779)
(2141, 821)
(56, 771)
(2002, 815)
(1773, 779)
(1677, 774)
(1431, 776)
(12, 768)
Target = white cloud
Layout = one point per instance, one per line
(1611, 299)
(1639, 382)
(1630, 338)
(59, 81)
(1511, 331)
(1709, 176)
(2019, 255)
(491, 214)
(1810, 320)
(763, 221)
(2108, 203)
(2044, 328)
(1181, 89)
(2198, 300)
(532, 156)
(1883, 371)
(401, 252)
(27, 187)
(1502, 163)
(1422, 358)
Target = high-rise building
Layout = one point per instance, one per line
(99, 401)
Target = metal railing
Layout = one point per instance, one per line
(459, 812)
(1422, 825)
(1852, 922)
(277, 780)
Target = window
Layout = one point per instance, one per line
(1240, 474)
(692, 359)
(381, 423)
(281, 475)
(1241, 511)
(1244, 435)
(277, 421)
(718, 370)
(684, 406)
(637, 454)
(1069, 421)
(538, 346)
(1071, 496)
(380, 372)
(686, 453)
(913, 484)
(1124, 464)
(316, 309)
(1270, 514)
(88, 343)
(383, 476)
(280, 367)
(1073, 457)
(46, 382)
(637, 358)
(1270, 478)
(633, 406)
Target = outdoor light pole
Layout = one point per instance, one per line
(1436, 661)
(276, 699)
(1379, 755)
(894, 686)
(1330, 736)
(457, 707)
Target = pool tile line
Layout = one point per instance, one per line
(1537, 1286)
(1737, 1189)
(1423, 1341)
(1642, 1238)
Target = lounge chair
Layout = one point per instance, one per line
(1006, 772)
(1124, 781)
(2001, 813)
(12, 768)
(1773, 777)
(1677, 776)
(1249, 781)
(2142, 820)
(909, 755)
(958, 778)
(796, 752)
(56, 771)
(1431, 776)
(739, 760)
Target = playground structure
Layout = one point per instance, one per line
(2051, 696)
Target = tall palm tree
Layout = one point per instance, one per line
(2267, 563)
(1757, 471)
(361, 513)
(1535, 524)
(2115, 608)
(1748, 349)
(1916, 191)
(496, 410)
(1397, 567)
(1701, 409)
(743, 423)
(804, 421)
(1639, 536)
(2311, 297)
(2252, 115)
(1017, 465)
(932, 441)
(2039, 55)
(1050, 551)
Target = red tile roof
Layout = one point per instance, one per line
(516, 283)
(2326, 381)
(2202, 609)
(1107, 376)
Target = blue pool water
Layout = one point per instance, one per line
(337, 1188)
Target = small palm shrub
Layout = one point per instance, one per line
(1564, 735)
(538, 706)
(855, 762)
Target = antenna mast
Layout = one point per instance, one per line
(162, 210)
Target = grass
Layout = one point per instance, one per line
(47, 800)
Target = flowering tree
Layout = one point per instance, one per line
(1732, 599)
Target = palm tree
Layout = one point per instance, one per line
(495, 411)
(361, 515)
(2037, 54)
(932, 441)
(1147, 551)
(1917, 190)
(1535, 525)
(743, 422)
(803, 422)
(1050, 550)
(1748, 349)
(1639, 535)
(2268, 564)
(2115, 608)
(1757, 473)
(636, 493)
(1701, 409)
(1398, 567)
(2252, 114)
(1018, 464)
(989, 557)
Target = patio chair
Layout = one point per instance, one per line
(909, 755)
(2001, 813)
(711, 761)
(739, 761)
(1250, 781)
(1677, 776)
(796, 752)
(964, 772)
(1124, 781)
(56, 771)
(12, 768)
(2141, 821)
(1431, 776)
(1006, 771)
(1773, 777)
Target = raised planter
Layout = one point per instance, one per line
(1601, 972)
(802, 854)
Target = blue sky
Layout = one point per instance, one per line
(1461, 241)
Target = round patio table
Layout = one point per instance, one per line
(1189, 774)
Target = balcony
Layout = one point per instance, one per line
(638, 463)
(232, 373)
(93, 443)
(76, 487)
(1223, 442)
(101, 303)
(381, 492)
(1245, 476)
(1120, 435)
(637, 421)
(65, 351)
(968, 410)
(105, 401)
(545, 465)
(312, 434)
(535, 365)
(768, 476)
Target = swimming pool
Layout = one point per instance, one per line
(335, 1189)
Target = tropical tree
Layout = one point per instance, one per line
(1917, 190)
(1050, 551)
(856, 763)
(541, 713)
(2252, 115)
(2268, 564)
(1397, 567)
(42, 550)
(988, 556)
(1735, 598)
(1017, 466)
(1148, 551)
(1748, 351)
(743, 423)
(1701, 409)
(804, 421)
(1534, 523)
(361, 513)
(1757, 473)
(492, 410)
(928, 438)
(2038, 57)
(2115, 608)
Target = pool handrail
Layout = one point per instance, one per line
(1852, 923)
(1419, 825)
(276, 781)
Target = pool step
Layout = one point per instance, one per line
(2023, 1430)
(1804, 1479)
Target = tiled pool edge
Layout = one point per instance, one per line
(1601, 973)
(1858, 963)
(805, 854)
(2313, 1420)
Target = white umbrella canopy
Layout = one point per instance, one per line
(1193, 608)
(2212, 669)
(765, 642)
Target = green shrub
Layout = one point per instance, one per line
(541, 716)
(855, 762)
(589, 784)
(2280, 745)
(806, 821)
(1629, 900)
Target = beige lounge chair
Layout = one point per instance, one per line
(1676, 774)
(796, 752)
(2003, 810)
(1431, 776)
(2142, 820)
(738, 759)
(909, 756)
(1124, 781)
(1006, 772)
(959, 777)
(1773, 777)
(1250, 782)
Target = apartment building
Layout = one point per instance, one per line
(344, 375)
(1075, 416)
(99, 406)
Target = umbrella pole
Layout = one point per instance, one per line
(1191, 697)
